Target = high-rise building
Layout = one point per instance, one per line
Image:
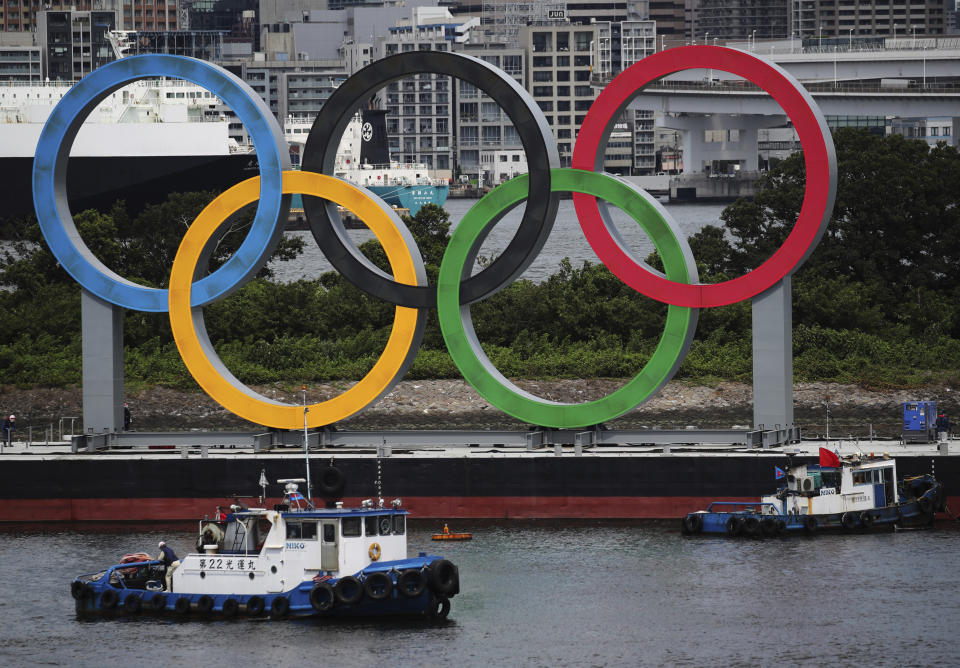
(847, 18)
(74, 43)
(743, 19)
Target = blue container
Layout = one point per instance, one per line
(920, 422)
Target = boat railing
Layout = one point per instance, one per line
(117, 569)
(742, 507)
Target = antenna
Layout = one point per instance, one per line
(306, 443)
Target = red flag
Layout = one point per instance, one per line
(828, 458)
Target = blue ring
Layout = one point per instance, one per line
(50, 171)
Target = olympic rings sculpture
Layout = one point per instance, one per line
(457, 286)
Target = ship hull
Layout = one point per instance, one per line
(99, 182)
(97, 488)
(412, 197)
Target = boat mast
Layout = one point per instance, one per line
(306, 443)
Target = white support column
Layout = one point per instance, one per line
(102, 355)
(773, 356)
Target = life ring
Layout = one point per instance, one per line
(411, 583)
(849, 521)
(279, 607)
(926, 505)
(378, 586)
(255, 606)
(132, 603)
(810, 524)
(444, 578)
(182, 605)
(108, 599)
(157, 602)
(349, 590)
(205, 604)
(734, 526)
(374, 552)
(230, 607)
(866, 518)
(439, 607)
(322, 597)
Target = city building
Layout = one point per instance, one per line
(887, 18)
(743, 19)
(21, 64)
(74, 43)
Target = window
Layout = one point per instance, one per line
(516, 158)
(543, 75)
(543, 61)
(350, 526)
(399, 524)
(582, 40)
(302, 530)
(563, 75)
(329, 533)
(385, 524)
(563, 61)
(545, 105)
(370, 522)
(543, 91)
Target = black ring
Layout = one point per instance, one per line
(535, 135)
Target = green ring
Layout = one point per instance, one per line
(465, 348)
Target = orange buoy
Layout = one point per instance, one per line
(447, 535)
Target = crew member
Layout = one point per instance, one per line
(943, 427)
(9, 424)
(170, 560)
(221, 516)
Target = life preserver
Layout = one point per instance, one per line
(132, 603)
(230, 607)
(849, 521)
(411, 583)
(108, 599)
(378, 586)
(349, 590)
(374, 551)
(280, 606)
(322, 597)
(439, 608)
(204, 604)
(255, 606)
(810, 524)
(444, 578)
(734, 525)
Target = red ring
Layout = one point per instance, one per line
(819, 159)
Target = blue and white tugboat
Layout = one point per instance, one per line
(853, 494)
(296, 560)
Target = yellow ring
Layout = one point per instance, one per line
(374, 552)
(213, 376)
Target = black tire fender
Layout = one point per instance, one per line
(230, 607)
(182, 605)
(132, 603)
(279, 607)
(810, 524)
(331, 483)
(255, 606)
(205, 604)
(322, 597)
(439, 607)
(411, 583)
(444, 578)
(157, 602)
(349, 590)
(378, 586)
(751, 525)
(849, 521)
(866, 519)
(79, 590)
(734, 526)
(109, 599)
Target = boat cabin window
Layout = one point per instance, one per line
(302, 530)
(870, 477)
(370, 525)
(385, 525)
(350, 526)
(399, 524)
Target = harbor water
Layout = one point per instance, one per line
(566, 239)
(533, 594)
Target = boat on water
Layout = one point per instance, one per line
(446, 534)
(147, 140)
(363, 159)
(857, 493)
(295, 560)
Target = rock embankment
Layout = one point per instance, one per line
(453, 404)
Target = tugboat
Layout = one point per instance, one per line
(853, 494)
(296, 560)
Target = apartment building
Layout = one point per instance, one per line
(74, 43)
(887, 18)
(743, 19)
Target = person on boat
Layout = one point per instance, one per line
(9, 423)
(170, 561)
(221, 516)
(943, 427)
(126, 416)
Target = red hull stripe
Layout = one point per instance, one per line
(423, 507)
